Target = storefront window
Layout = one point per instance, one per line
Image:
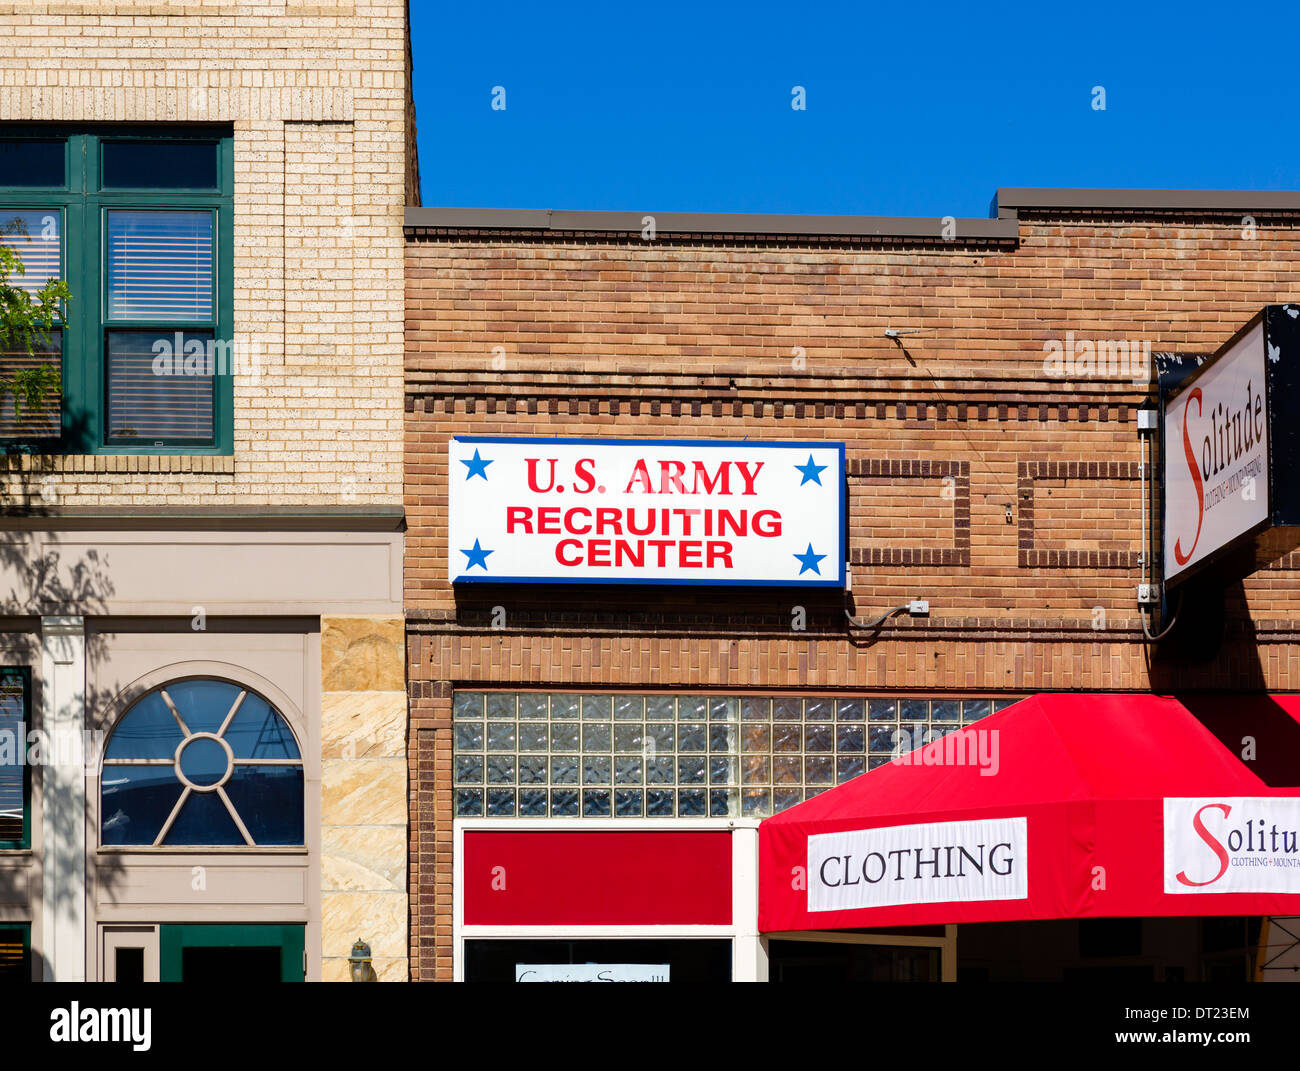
(15, 949)
(15, 778)
(612, 959)
(537, 754)
(202, 762)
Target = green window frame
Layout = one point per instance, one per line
(23, 676)
(83, 205)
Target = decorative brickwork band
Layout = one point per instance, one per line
(1030, 557)
(782, 398)
(910, 469)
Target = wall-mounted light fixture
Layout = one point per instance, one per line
(359, 961)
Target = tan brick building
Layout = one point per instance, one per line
(223, 534)
(1009, 498)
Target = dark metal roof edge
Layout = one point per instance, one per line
(1003, 227)
(693, 223)
(1010, 199)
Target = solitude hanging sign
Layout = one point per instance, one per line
(1230, 445)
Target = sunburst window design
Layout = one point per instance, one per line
(202, 763)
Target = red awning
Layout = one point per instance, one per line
(1061, 806)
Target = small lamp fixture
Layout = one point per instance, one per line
(359, 961)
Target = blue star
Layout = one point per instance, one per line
(477, 556)
(808, 559)
(477, 467)
(811, 473)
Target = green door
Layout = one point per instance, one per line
(231, 953)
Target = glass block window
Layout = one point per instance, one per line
(202, 762)
(599, 755)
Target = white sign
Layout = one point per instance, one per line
(646, 511)
(1216, 456)
(1232, 845)
(938, 862)
(591, 972)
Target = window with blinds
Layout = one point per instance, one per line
(138, 223)
(14, 942)
(143, 404)
(159, 265)
(159, 270)
(35, 236)
(13, 768)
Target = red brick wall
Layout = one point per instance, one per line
(596, 336)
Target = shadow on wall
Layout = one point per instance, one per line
(37, 580)
(1218, 640)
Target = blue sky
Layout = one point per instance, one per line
(912, 108)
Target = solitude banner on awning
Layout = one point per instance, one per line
(1097, 805)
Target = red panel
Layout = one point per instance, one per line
(597, 878)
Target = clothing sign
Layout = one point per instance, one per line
(646, 511)
(1232, 845)
(937, 862)
(1216, 455)
(591, 972)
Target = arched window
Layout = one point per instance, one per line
(201, 763)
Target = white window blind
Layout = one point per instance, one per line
(160, 265)
(145, 405)
(34, 236)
